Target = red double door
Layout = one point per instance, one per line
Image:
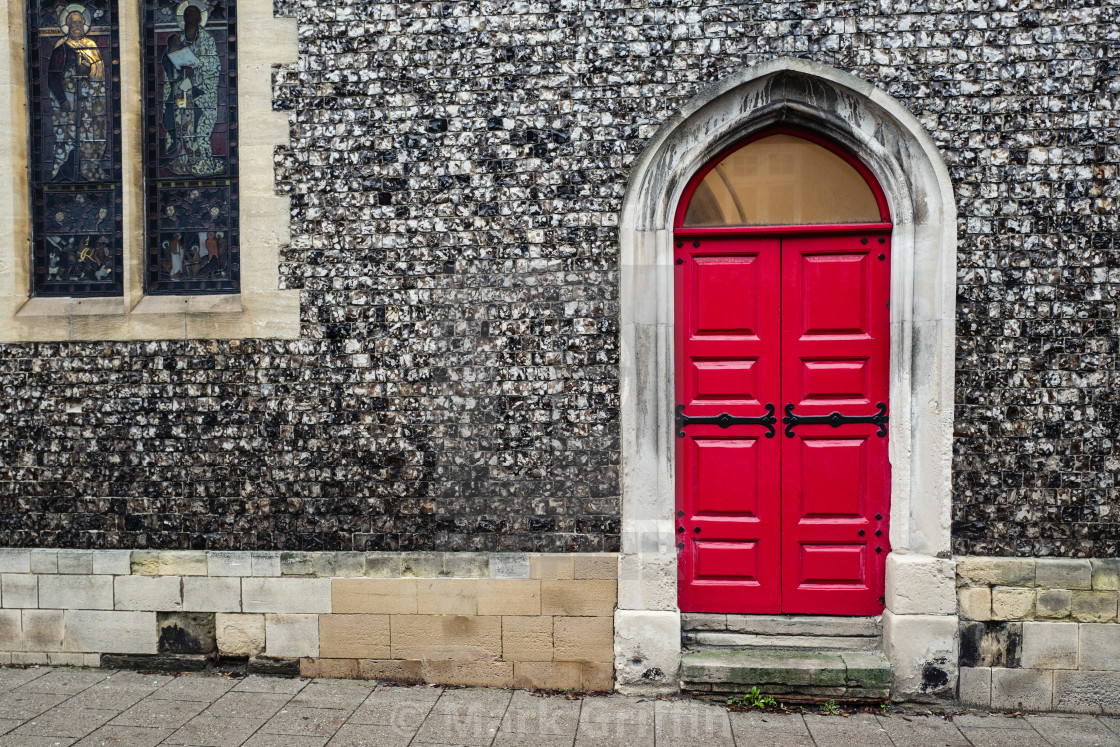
(783, 480)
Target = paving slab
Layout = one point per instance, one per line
(160, 713)
(124, 736)
(66, 681)
(1073, 731)
(204, 688)
(463, 729)
(257, 684)
(205, 730)
(365, 735)
(65, 722)
(342, 694)
(24, 740)
(515, 739)
(541, 714)
(306, 722)
(612, 710)
(980, 737)
(861, 729)
(922, 731)
(105, 698)
(398, 713)
(24, 705)
(284, 740)
(249, 705)
(595, 734)
(473, 702)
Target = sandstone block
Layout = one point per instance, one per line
(291, 635)
(229, 564)
(1019, 689)
(382, 565)
(1063, 573)
(338, 565)
(354, 637)
(421, 564)
(182, 563)
(583, 639)
(975, 602)
(598, 565)
(186, 633)
(466, 565)
(391, 670)
(20, 590)
(990, 571)
(395, 596)
(457, 637)
(472, 673)
(112, 562)
(1049, 645)
(75, 562)
(552, 567)
(509, 565)
(976, 686)
(11, 630)
(1093, 606)
(43, 630)
(991, 644)
(447, 596)
(210, 594)
(1087, 691)
(509, 597)
(597, 677)
(160, 593)
(578, 598)
(266, 564)
(77, 593)
(15, 561)
(144, 562)
(44, 561)
(239, 635)
(104, 632)
(1012, 603)
(1100, 647)
(548, 675)
(1053, 603)
(1106, 574)
(527, 638)
(337, 668)
(286, 595)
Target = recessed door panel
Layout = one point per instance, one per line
(833, 478)
(726, 475)
(726, 380)
(840, 567)
(844, 381)
(735, 562)
(726, 298)
(834, 293)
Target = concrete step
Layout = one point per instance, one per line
(702, 640)
(810, 625)
(864, 675)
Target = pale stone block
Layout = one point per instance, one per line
(290, 595)
(395, 596)
(1106, 574)
(1053, 603)
(101, 632)
(145, 562)
(5, 658)
(920, 585)
(43, 630)
(15, 561)
(217, 594)
(159, 593)
(11, 630)
(335, 668)
(991, 571)
(239, 635)
(1094, 606)
(354, 636)
(91, 660)
(1063, 573)
(421, 564)
(976, 686)
(112, 562)
(446, 596)
(182, 563)
(583, 639)
(20, 590)
(579, 598)
(44, 561)
(1012, 603)
(647, 582)
(382, 565)
(1100, 647)
(30, 658)
(75, 562)
(509, 565)
(509, 597)
(976, 602)
(59, 659)
(647, 651)
(923, 651)
(292, 636)
(457, 637)
(1049, 645)
(1019, 689)
(466, 564)
(77, 593)
(229, 563)
(469, 673)
(527, 638)
(1087, 691)
(266, 564)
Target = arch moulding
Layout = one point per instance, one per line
(920, 621)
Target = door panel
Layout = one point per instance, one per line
(835, 480)
(728, 488)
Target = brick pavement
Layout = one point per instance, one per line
(55, 707)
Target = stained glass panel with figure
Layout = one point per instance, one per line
(74, 92)
(191, 146)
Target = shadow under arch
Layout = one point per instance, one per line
(891, 142)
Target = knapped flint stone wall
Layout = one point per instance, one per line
(456, 171)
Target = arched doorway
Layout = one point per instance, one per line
(782, 285)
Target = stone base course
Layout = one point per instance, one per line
(494, 619)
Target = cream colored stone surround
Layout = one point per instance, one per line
(260, 310)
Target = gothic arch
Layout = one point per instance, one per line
(893, 144)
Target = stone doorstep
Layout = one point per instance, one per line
(710, 640)
(811, 673)
(786, 625)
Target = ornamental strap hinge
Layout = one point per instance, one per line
(835, 419)
(725, 420)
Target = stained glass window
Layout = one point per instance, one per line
(74, 91)
(190, 80)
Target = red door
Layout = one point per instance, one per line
(788, 516)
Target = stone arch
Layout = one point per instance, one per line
(893, 144)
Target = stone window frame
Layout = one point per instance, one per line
(920, 619)
(260, 309)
